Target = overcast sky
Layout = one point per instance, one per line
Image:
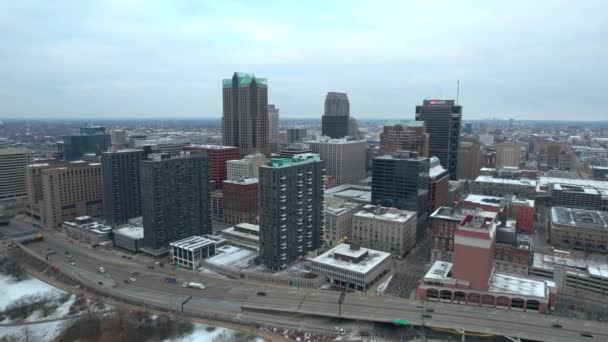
(120, 58)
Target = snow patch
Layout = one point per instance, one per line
(204, 332)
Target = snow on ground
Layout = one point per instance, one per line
(232, 256)
(384, 284)
(209, 333)
(38, 332)
(11, 290)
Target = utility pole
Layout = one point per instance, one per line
(186, 301)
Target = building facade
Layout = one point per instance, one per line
(501, 187)
(439, 185)
(401, 181)
(508, 154)
(339, 220)
(241, 201)
(13, 161)
(273, 128)
(245, 114)
(406, 136)
(443, 121)
(385, 229)
(344, 160)
(92, 139)
(296, 135)
(291, 209)
(175, 199)
(70, 190)
(247, 167)
(217, 156)
(579, 229)
(121, 190)
(573, 196)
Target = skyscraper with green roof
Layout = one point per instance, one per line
(245, 122)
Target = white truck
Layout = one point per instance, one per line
(194, 285)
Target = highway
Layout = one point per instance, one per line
(292, 308)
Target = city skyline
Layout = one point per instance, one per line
(521, 60)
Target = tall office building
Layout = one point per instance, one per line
(245, 118)
(406, 136)
(12, 172)
(118, 138)
(401, 180)
(439, 185)
(273, 128)
(291, 209)
(247, 167)
(344, 159)
(442, 119)
(69, 190)
(469, 158)
(507, 154)
(121, 191)
(176, 201)
(217, 156)
(240, 201)
(335, 121)
(296, 135)
(353, 129)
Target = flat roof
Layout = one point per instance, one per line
(386, 214)
(357, 193)
(547, 262)
(439, 270)
(579, 218)
(490, 179)
(192, 243)
(447, 213)
(603, 185)
(213, 147)
(494, 201)
(242, 181)
(575, 188)
(368, 263)
(132, 232)
(342, 209)
(516, 285)
(327, 140)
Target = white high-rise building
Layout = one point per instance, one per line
(344, 160)
(12, 172)
(507, 154)
(273, 126)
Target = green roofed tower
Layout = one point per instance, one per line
(245, 121)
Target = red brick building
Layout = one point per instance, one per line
(241, 201)
(218, 155)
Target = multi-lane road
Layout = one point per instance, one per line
(306, 309)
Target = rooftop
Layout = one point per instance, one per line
(580, 218)
(328, 140)
(517, 285)
(385, 214)
(485, 200)
(212, 147)
(439, 270)
(548, 262)
(302, 158)
(356, 193)
(405, 123)
(245, 80)
(490, 179)
(131, 231)
(600, 185)
(575, 188)
(192, 243)
(245, 181)
(341, 209)
(369, 262)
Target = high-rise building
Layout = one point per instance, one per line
(335, 121)
(118, 138)
(217, 156)
(247, 167)
(241, 201)
(296, 135)
(442, 119)
(12, 172)
(353, 129)
(344, 160)
(401, 180)
(507, 154)
(406, 136)
(273, 127)
(170, 146)
(245, 119)
(175, 198)
(92, 139)
(439, 185)
(121, 191)
(69, 190)
(469, 159)
(291, 209)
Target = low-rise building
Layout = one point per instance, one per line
(247, 167)
(190, 252)
(129, 237)
(574, 196)
(338, 220)
(387, 229)
(494, 186)
(579, 229)
(578, 277)
(241, 200)
(353, 266)
(86, 229)
(243, 234)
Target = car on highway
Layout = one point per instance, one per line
(126, 281)
(102, 270)
(72, 263)
(586, 334)
(100, 283)
(150, 267)
(170, 280)
(364, 333)
(132, 280)
(194, 285)
(261, 293)
(426, 316)
(556, 325)
(430, 310)
(135, 273)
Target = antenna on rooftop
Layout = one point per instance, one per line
(457, 90)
